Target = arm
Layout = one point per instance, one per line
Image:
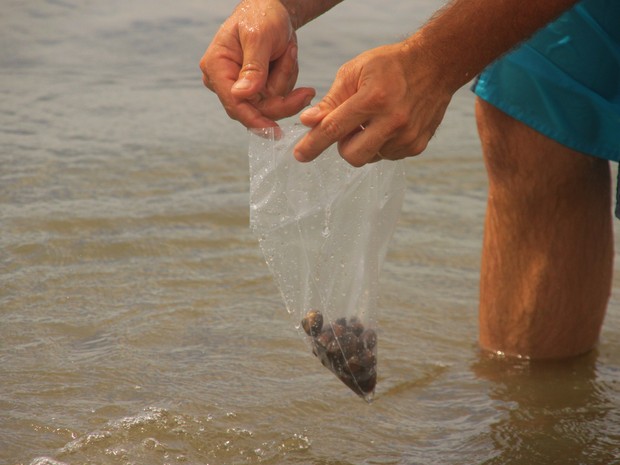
(467, 35)
(400, 92)
(251, 64)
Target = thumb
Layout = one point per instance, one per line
(254, 71)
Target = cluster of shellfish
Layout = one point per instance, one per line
(346, 348)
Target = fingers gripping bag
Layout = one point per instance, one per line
(324, 229)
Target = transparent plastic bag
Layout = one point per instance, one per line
(324, 229)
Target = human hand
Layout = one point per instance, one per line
(251, 65)
(385, 103)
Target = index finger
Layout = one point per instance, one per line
(333, 127)
(245, 112)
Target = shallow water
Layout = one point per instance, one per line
(139, 323)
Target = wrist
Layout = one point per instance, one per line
(425, 61)
(302, 11)
(295, 13)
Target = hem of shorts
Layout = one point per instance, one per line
(587, 149)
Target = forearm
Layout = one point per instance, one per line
(467, 35)
(304, 11)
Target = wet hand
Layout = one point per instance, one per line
(251, 65)
(390, 92)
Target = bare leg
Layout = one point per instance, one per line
(548, 244)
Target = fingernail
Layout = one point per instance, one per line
(308, 101)
(311, 112)
(298, 156)
(294, 52)
(242, 84)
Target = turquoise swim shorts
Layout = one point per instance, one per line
(565, 80)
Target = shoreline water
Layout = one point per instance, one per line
(139, 322)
